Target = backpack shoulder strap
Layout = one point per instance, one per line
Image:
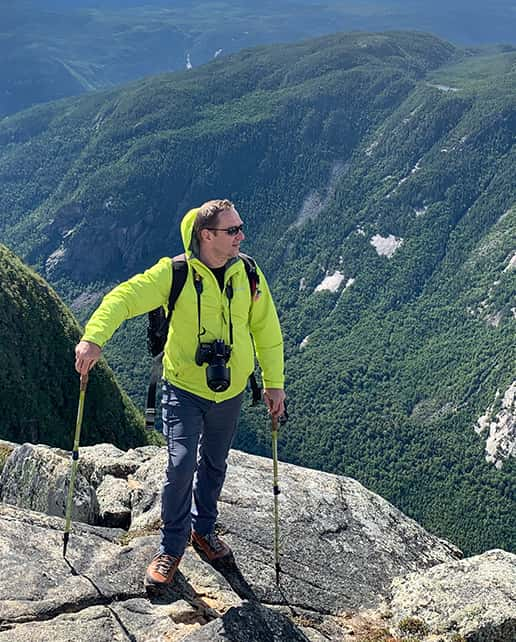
(252, 273)
(157, 334)
(179, 274)
(254, 280)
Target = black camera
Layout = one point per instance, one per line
(216, 354)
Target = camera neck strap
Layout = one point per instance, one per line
(229, 293)
(198, 288)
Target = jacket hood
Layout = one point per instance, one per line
(190, 243)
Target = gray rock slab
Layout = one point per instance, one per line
(94, 623)
(141, 621)
(135, 619)
(37, 582)
(207, 584)
(97, 592)
(341, 545)
(37, 477)
(474, 598)
(145, 621)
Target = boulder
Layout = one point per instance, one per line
(341, 545)
(246, 623)
(105, 459)
(146, 485)
(473, 599)
(37, 477)
(114, 501)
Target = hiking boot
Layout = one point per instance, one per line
(210, 546)
(160, 572)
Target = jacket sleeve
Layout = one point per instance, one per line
(140, 294)
(268, 341)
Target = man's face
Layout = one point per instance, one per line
(225, 245)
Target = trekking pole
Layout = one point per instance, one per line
(276, 492)
(75, 461)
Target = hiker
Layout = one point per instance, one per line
(208, 358)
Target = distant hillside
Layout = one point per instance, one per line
(138, 157)
(66, 48)
(375, 174)
(39, 388)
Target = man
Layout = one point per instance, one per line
(201, 404)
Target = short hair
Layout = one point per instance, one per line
(208, 214)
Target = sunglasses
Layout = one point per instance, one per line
(232, 231)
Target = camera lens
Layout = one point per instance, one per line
(216, 355)
(218, 377)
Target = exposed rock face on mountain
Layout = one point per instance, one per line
(342, 547)
(500, 428)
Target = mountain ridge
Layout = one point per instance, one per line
(67, 48)
(38, 382)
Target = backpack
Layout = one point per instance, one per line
(158, 324)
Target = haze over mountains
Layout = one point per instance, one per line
(375, 174)
(66, 48)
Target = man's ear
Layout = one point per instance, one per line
(204, 234)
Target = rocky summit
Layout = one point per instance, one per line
(353, 567)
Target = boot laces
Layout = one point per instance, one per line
(164, 564)
(214, 542)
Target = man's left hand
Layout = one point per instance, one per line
(275, 401)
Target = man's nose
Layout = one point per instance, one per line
(241, 235)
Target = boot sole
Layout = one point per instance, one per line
(155, 590)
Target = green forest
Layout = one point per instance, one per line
(38, 383)
(386, 161)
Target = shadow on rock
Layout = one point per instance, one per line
(182, 591)
(228, 568)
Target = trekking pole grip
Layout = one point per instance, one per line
(83, 382)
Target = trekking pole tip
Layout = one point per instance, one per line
(65, 542)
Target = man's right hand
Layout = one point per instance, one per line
(86, 356)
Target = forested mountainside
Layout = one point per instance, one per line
(375, 174)
(39, 388)
(55, 49)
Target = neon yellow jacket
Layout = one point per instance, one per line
(150, 290)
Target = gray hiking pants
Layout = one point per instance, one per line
(199, 433)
